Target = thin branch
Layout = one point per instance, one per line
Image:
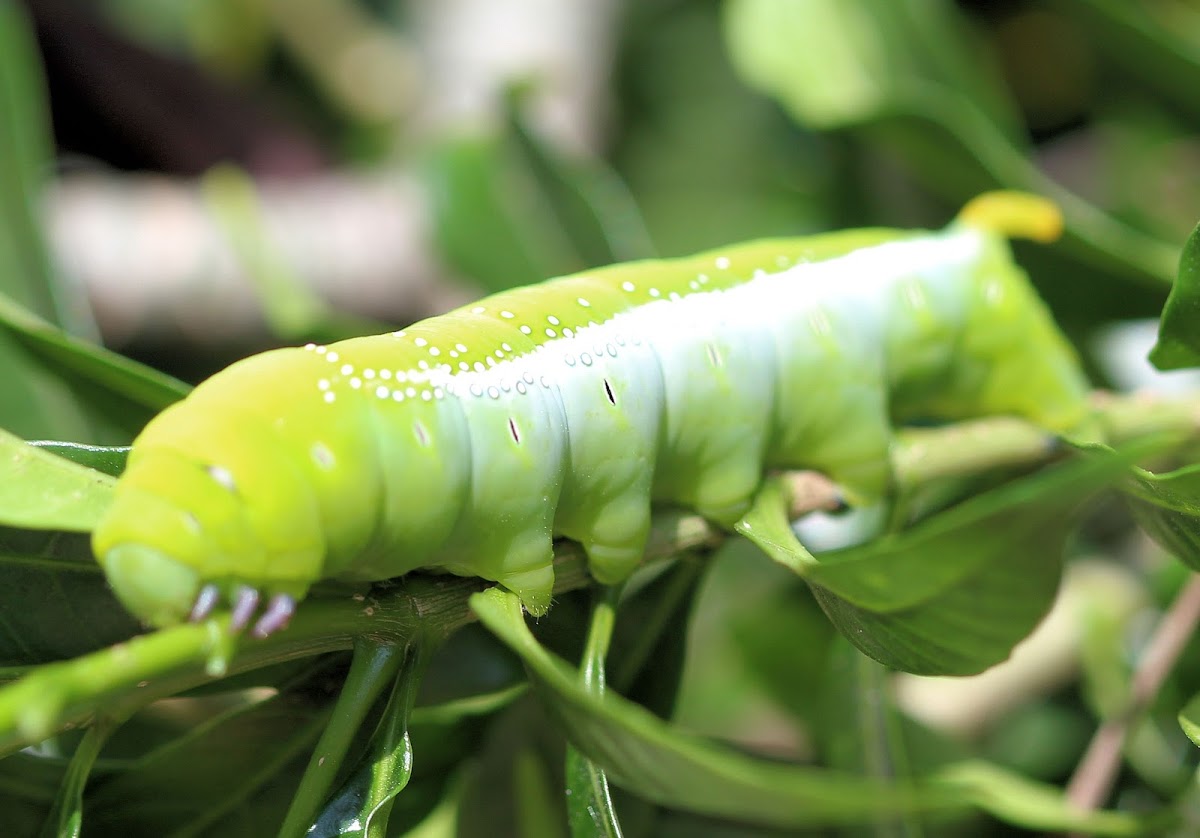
(1094, 776)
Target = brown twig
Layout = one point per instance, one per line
(1096, 772)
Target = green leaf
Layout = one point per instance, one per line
(59, 386)
(76, 612)
(510, 210)
(1167, 506)
(1179, 330)
(108, 460)
(1189, 719)
(26, 152)
(66, 816)
(869, 66)
(645, 755)
(40, 490)
(956, 592)
(662, 764)
(227, 764)
(590, 811)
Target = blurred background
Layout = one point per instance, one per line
(190, 182)
(235, 173)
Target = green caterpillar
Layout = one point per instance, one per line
(467, 442)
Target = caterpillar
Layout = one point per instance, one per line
(467, 442)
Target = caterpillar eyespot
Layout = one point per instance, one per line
(363, 460)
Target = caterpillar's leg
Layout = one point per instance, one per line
(526, 568)
(615, 536)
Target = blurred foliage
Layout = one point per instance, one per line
(715, 122)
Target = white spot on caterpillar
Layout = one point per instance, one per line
(426, 396)
(382, 392)
(506, 347)
(782, 261)
(702, 279)
(499, 353)
(462, 348)
(526, 330)
(346, 369)
(321, 350)
(386, 375)
(612, 350)
(329, 397)
(411, 392)
(355, 382)
(550, 333)
(310, 346)
(477, 310)
(398, 334)
(453, 353)
(570, 359)
(423, 365)
(421, 342)
(434, 351)
(583, 302)
(476, 390)
(552, 320)
(507, 315)
(568, 333)
(722, 263)
(322, 456)
(654, 292)
(332, 357)
(627, 286)
(504, 385)
(222, 476)
(493, 392)
(521, 388)
(368, 374)
(464, 366)
(397, 396)
(544, 382)
(528, 378)
(585, 359)
(674, 295)
(479, 367)
(491, 362)
(438, 392)
(694, 285)
(401, 375)
(323, 384)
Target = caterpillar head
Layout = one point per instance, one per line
(184, 534)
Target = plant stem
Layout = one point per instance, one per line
(1094, 776)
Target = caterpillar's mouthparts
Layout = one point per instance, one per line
(151, 584)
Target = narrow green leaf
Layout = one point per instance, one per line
(66, 816)
(645, 755)
(1189, 719)
(373, 668)
(590, 812)
(141, 385)
(40, 490)
(1179, 330)
(659, 763)
(109, 460)
(26, 152)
